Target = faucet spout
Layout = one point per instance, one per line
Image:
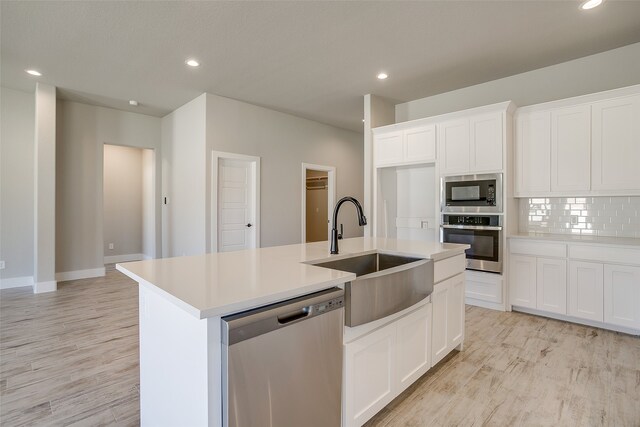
(362, 220)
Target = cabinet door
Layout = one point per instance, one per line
(439, 338)
(486, 142)
(453, 146)
(615, 146)
(420, 144)
(455, 311)
(570, 149)
(586, 290)
(622, 295)
(533, 153)
(369, 375)
(388, 148)
(522, 280)
(414, 347)
(551, 285)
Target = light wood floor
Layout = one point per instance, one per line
(71, 358)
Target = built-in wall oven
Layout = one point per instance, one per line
(482, 232)
(471, 193)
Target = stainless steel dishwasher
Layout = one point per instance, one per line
(282, 364)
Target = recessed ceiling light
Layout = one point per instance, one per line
(192, 63)
(590, 4)
(382, 76)
(133, 102)
(34, 73)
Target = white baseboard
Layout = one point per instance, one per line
(41, 287)
(80, 274)
(16, 282)
(147, 257)
(123, 258)
(484, 304)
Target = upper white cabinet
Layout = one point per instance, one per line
(590, 147)
(471, 145)
(410, 146)
(615, 145)
(570, 153)
(533, 153)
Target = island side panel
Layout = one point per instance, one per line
(176, 361)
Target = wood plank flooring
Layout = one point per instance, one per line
(71, 358)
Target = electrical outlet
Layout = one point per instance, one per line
(110, 245)
(574, 219)
(1, 265)
(424, 224)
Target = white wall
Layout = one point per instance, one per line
(17, 124)
(148, 205)
(284, 142)
(82, 132)
(604, 71)
(183, 180)
(123, 200)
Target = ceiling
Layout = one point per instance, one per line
(311, 59)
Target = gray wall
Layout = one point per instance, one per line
(17, 125)
(604, 71)
(284, 142)
(81, 133)
(122, 209)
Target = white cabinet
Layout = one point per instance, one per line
(471, 145)
(453, 141)
(522, 280)
(448, 317)
(414, 347)
(533, 153)
(410, 146)
(615, 148)
(571, 149)
(369, 375)
(622, 295)
(586, 290)
(486, 143)
(551, 285)
(382, 364)
(388, 148)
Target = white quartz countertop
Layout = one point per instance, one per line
(225, 283)
(570, 238)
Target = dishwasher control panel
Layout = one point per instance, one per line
(328, 305)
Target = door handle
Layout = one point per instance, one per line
(249, 225)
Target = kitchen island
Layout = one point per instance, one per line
(183, 299)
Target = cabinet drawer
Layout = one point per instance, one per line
(605, 254)
(546, 249)
(484, 286)
(448, 267)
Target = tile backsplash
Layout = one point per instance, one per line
(595, 216)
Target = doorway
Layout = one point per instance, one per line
(318, 198)
(235, 210)
(128, 204)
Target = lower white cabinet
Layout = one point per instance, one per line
(551, 285)
(448, 317)
(586, 290)
(522, 279)
(383, 363)
(622, 295)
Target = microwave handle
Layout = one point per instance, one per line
(473, 227)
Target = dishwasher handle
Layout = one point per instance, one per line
(295, 315)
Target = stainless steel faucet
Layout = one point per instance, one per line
(362, 220)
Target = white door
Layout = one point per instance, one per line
(551, 286)
(571, 149)
(387, 148)
(533, 153)
(486, 142)
(616, 144)
(420, 144)
(439, 338)
(622, 295)
(236, 210)
(453, 146)
(455, 311)
(522, 280)
(586, 290)
(414, 346)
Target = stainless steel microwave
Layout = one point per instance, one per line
(471, 193)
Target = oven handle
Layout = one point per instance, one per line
(472, 227)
